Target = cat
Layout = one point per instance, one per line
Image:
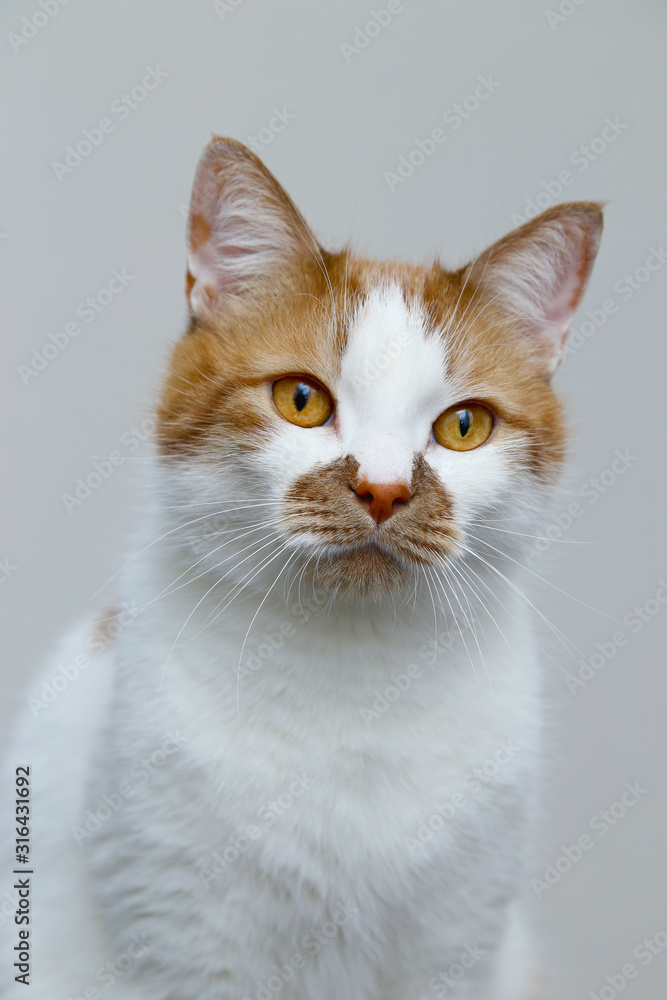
(307, 764)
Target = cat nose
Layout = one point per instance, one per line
(382, 498)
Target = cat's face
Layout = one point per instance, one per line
(361, 423)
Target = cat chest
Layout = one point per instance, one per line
(350, 819)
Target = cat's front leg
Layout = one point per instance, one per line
(486, 960)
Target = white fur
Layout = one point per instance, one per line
(385, 419)
(339, 854)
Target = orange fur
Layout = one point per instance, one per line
(291, 316)
(218, 374)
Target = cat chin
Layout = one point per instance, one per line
(363, 572)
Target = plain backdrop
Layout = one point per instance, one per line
(579, 88)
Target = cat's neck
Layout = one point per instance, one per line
(301, 646)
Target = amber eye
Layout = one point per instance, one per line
(463, 428)
(302, 401)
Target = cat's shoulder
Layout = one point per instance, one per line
(59, 712)
(51, 737)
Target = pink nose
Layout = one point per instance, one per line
(382, 498)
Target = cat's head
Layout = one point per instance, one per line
(361, 423)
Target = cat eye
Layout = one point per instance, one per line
(462, 428)
(302, 401)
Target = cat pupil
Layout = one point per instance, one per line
(301, 396)
(464, 422)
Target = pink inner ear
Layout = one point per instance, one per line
(201, 271)
(539, 273)
(568, 292)
(207, 274)
(243, 230)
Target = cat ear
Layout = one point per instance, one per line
(539, 273)
(243, 229)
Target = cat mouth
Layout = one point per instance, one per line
(372, 545)
(372, 567)
(406, 553)
(379, 562)
(355, 553)
(369, 568)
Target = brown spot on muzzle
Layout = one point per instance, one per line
(358, 554)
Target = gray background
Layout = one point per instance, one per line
(122, 208)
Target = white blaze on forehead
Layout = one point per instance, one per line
(391, 386)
